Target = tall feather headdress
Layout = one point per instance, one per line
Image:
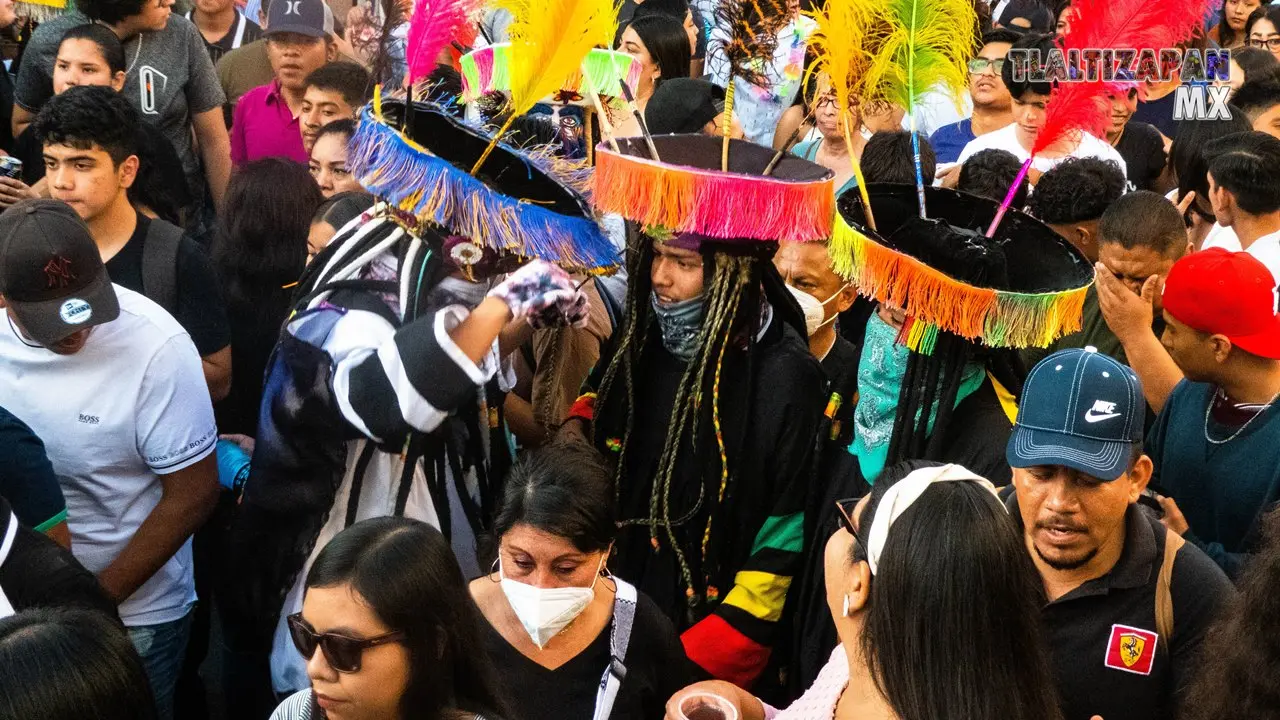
(842, 58)
(435, 24)
(918, 46)
(751, 39)
(548, 43)
(1082, 105)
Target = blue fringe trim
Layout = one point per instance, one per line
(436, 192)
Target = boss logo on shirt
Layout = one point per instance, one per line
(89, 419)
(1131, 649)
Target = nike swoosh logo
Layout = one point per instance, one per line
(1090, 417)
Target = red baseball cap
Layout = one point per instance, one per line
(1226, 293)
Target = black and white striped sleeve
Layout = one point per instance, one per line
(388, 381)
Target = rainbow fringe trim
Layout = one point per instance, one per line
(722, 205)
(489, 69)
(934, 301)
(435, 192)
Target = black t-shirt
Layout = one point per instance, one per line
(6, 112)
(656, 665)
(255, 327)
(26, 476)
(200, 309)
(38, 572)
(243, 31)
(1108, 658)
(1158, 113)
(1143, 151)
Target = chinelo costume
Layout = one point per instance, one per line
(370, 409)
(710, 410)
(944, 385)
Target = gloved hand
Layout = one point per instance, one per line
(544, 295)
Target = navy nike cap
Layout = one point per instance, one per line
(1080, 409)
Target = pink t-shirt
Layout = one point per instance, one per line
(263, 126)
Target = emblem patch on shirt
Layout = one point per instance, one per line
(1131, 649)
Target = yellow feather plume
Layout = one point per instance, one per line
(841, 60)
(919, 45)
(549, 39)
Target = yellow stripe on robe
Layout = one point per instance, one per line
(760, 594)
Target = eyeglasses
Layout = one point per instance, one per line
(845, 508)
(1272, 43)
(979, 64)
(343, 653)
(828, 100)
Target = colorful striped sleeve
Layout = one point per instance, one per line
(734, 642)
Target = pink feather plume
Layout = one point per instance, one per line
(435, 24)
(1116, 24)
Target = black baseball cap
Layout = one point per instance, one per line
(682, 105)
(1080, 409)
(51, 273)
(311, 18)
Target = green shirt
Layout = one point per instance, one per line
(1093, 332)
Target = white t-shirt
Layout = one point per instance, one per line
(937, 107)
(130, 406)
(1006, 139)
(1265, 249)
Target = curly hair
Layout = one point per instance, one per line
(989, 173)
(1243, 680)
(1077, 190)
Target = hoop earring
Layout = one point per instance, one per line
(493, 569)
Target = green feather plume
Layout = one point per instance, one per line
(919, 45)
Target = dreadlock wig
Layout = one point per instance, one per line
(696, 436)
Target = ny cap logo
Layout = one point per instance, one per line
(57, 273)
(293, 7)
(1101, 410)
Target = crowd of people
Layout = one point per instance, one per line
(333, 387)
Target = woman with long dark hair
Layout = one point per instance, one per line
(1229, 32)
(660, 45)
(69, 665)
(389, 632)
(937, 606)
(559, 623)
(1243, 678)
(259, 252)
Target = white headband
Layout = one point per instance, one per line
(903, 495)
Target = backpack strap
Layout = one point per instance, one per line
(624, 617)
(1173, 542)
(160, 264)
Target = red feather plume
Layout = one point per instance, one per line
(1117, 24)
(1135, 24)
(1073, 106)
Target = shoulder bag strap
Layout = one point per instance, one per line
(624, 616)
(160, 264)
(1173, 542)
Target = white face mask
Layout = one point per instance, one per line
(544, 612)
(815, 310)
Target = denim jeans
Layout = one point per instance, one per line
(162, 648)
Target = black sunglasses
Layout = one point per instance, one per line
(844, 509)
(342, 652)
